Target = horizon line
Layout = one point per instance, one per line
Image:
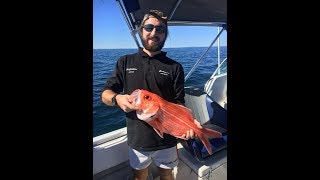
(164, 47)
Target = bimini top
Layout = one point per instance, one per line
(180, 12)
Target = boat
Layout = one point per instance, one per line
(209, 105)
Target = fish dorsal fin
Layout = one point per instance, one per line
(185, 108)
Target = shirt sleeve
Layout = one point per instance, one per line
(179, 85)
(115, 81)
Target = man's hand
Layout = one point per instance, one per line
(190, 133)
(125, 103)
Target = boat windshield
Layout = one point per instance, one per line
(223, 67)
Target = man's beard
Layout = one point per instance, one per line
(153, 48)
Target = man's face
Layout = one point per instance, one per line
(153, 41)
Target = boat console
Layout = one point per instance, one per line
(210, 115)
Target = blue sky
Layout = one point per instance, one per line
(110, 30)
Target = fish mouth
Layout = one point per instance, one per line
(135, 97)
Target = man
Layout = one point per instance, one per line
(149, 69)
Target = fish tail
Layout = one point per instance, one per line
(211, 133)
(205, 142)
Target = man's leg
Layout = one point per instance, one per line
(165, 174)
(166, 160)
(139, 162)
(140, 174)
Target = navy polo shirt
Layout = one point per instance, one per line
(158, 74)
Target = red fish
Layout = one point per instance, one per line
(170, 118)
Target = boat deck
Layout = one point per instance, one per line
(188, 169)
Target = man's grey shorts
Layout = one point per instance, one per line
(164, 158)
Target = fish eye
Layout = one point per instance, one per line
(146, 97)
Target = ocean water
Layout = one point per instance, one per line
(107, 118)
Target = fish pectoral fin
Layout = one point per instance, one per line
(159, 132)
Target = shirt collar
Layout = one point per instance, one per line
(161, 55)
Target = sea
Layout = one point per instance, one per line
(109, 118)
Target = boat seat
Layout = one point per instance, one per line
(218, 90)
(210, 115)
(204, 108)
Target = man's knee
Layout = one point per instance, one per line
(140, 174)
(165, 173)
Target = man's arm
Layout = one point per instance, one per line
(179, 86)
(180, 94)
(115, 84)
(106, 97)
(123, 101)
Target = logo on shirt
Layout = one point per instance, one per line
(163, 72)
(131, 70)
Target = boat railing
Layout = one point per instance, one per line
(174, 9)
(133, 30)
(202, 56)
